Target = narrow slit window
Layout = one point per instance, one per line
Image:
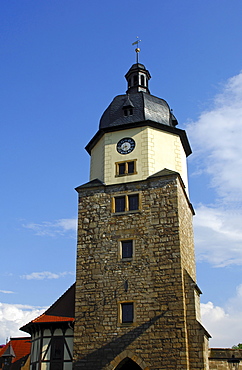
(127, 312)
(126, 249)
(135, 80)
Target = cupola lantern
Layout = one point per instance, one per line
(137, 77)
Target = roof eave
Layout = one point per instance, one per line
(181, 133)
(30, 327)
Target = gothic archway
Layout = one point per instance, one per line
(128, 364)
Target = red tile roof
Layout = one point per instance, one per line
(2, 350)
(21, 347)
(49, 318)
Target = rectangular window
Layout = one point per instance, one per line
(125, 168)
(57, 348)
(126, 249)
(128, 112)
(121, 169)
(126, 203)
(133, 202)
(120, 204)
(127, 312)
(131, 167)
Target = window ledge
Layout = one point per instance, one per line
(126, 324)
(126, 212)
(128, 259)
(127, 174)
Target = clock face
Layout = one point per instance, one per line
(125, 145)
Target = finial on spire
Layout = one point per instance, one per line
(137, 49)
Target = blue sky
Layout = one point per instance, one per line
(62, 62)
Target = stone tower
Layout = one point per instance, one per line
(137, 301)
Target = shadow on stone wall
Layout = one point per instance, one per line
(101, 357)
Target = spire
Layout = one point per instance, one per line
(137, 49)
(137, 76)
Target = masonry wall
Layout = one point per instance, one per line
(219, 359)
(155, 280)
(197, 336)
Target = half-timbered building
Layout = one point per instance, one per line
(52, 335)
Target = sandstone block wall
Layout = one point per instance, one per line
(219, 359)
(154, 279)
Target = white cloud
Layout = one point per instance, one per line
(67, 224)
(218, 235)
(56, 228)
(45, 275)
(6, 291)
(13, 316)
(224, 323)
(216, 139)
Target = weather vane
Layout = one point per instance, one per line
(137, 49)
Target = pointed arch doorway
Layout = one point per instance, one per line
(128, 364)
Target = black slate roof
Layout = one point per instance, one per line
(145, 107)
(138, 108)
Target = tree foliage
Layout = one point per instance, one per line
(238, 346)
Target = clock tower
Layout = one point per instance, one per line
(137, 136)
(137, 301)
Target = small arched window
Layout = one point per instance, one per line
(142, 80)
(135, 80)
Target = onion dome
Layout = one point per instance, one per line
(138, 104)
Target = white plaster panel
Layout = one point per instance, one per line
(45, 366)
(154, 151)
(97, 161)
(58, 332)
(35, 350)
(44, 347)
(69, 342)
(69, 331)
(67, 366)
